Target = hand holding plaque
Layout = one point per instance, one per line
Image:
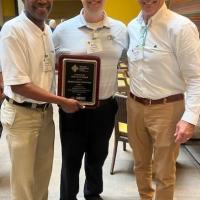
(78, 78)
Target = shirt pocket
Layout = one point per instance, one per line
(157, 53)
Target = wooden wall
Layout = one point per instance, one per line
(65, 9)
(189, 8)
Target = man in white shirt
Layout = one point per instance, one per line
(164, 63)
(27, 60)
(88, 132)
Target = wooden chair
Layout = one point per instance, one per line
(123, 81)
(120, 127)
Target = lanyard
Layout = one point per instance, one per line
(143, 36)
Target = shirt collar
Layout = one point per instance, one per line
(156, 16)
(33, 26)
(83, 23)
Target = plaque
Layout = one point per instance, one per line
(78, 78)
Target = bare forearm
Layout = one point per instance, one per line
(34, 92)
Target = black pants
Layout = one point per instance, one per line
(85, 132)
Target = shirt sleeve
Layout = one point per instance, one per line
(14, 57)
(58, 41)
(188, 57)
(122, 36)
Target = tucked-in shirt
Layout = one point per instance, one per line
(168, 59)
(23, 48)
(73, 35)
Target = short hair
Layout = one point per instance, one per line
(52, 23)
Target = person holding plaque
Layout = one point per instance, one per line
(164, 63)
(27, 60)
(87, 132)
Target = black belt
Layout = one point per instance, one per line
(105, 101)
(43, 106)
(168, 99)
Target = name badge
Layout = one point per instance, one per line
(94, 46)
(47, 66)
(137, 53)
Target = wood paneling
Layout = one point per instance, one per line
(188, 8)
(65, 9)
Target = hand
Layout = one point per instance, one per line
(184, 131)
(71, 105)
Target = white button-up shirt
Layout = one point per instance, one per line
(23, 48)
(164, 59)
(73, 35)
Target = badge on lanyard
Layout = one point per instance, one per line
(47, 66)
(94, 46)
(138, 51)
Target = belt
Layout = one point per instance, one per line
(43, 106)
(168, 99)
(104, 101)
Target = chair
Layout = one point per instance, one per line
(120, 127)
(123, 81)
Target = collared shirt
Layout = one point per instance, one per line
(24, 48)
(73, 35)
(166, 59)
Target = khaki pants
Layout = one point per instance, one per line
(151, 131)
(30, 136)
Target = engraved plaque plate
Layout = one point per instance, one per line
(78, 78)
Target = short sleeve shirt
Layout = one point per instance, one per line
(23, 49)
(73, 35)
